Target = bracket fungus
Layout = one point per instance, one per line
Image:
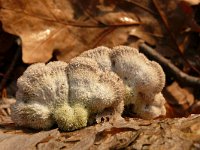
(95, 85)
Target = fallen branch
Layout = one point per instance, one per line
(180, 76)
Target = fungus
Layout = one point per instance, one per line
(95, 85)
(143, 79)
(101, 55)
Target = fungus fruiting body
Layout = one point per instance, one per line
(96, 84)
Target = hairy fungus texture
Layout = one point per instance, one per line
(98, 83)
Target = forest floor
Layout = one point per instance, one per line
(165, 31)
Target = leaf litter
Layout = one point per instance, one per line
(60, 30)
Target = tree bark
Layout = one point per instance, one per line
(176, 133)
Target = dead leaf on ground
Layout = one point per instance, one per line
(193, 2)
(27, 141)
(67, 28)
(45, 26)
(70, 27)
(180, 99)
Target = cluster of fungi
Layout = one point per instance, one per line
(98, 83)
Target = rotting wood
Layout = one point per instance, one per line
(176, 133)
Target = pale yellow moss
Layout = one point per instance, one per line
(70, 118)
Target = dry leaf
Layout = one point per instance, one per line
(193, 2)
(70, 27)
(47, 26)
(195, 108)
(26, 141)
(181, 99)
(66, 28)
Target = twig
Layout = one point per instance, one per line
(10, 68)
(180, 76)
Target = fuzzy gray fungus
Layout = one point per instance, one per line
(96, 84)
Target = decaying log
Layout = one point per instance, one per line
(176, 133)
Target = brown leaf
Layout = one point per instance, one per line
(181, 99)
(188, 14)
(192, 2)
(26, 141)
(150, 29)
(45, 26)
(5, 109)
(70, 27)
(118, 18)
(196, 108)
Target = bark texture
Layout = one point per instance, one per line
(176, 133)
